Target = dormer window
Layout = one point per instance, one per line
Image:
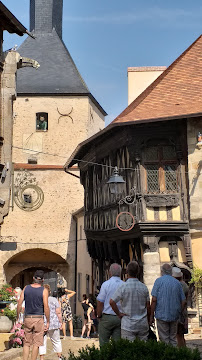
(41, 121)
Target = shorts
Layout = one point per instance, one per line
(34, 331)
(56, 342)
(95, 322)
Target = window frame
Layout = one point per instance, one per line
(161, 163)
(45, 115)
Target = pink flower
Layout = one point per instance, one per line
(18, 341)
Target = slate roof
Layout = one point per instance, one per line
(57, 73)
(176, 92)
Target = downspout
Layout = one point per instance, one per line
(75, 267)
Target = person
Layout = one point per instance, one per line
(93, 314)
(167, 302)
(36, 304)
(18, 292)
(66, 311)
(135, 302)
(54, 327)
(87, 308)
(182, 324)
(109, 323)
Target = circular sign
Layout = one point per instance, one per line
(125, 221)
(29, 197)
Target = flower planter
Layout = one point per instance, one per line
(3, 304)
(5, 324)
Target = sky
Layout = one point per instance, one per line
(106, 37)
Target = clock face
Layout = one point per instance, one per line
(125, 221)
(29, 197)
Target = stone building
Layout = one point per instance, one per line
(156, 216)
(54, 111)
(10, 61)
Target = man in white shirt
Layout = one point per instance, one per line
(109, 324)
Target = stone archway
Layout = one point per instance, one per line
(25, 261)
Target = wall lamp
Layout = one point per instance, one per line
(116, 182)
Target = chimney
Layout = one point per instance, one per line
(46, 15)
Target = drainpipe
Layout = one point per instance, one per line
(75, 267)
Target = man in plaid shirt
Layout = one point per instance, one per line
(135, 302)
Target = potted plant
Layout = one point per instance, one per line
(7, 316)
(7, 295)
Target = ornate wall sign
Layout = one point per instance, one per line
(125, 221)
(161, 200)
(28, 195)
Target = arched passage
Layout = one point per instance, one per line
(20, 268)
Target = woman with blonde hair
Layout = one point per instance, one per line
(54, 327)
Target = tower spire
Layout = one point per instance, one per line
(46, 15)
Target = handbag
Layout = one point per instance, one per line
(152, 335)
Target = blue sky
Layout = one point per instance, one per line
(106, 37)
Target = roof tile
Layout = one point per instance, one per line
(177, 91)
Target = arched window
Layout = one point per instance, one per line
(160, 163)
(41, 121)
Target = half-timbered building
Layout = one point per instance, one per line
(148, 218)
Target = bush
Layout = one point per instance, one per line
(11, 314)
(137, 350)
(196, 277)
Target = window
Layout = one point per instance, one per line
(42, 121)
(160, 164)
(27, 198)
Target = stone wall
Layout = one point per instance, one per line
(8, 93)
(195, 188)
(50, 226)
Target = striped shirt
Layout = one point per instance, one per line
(169, 294)
(133, 296)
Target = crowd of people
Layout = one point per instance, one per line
(121, 310)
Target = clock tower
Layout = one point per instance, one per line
(54, 111)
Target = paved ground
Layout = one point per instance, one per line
(73, 345)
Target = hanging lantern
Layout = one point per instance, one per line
(116, 182)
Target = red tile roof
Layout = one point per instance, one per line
(176, 92)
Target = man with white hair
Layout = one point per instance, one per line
(167, 302)
(109, 324)
(135, 302)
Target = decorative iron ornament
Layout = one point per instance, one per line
(125, 221)
(129, 199)
(28, 195)
(65, 115)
